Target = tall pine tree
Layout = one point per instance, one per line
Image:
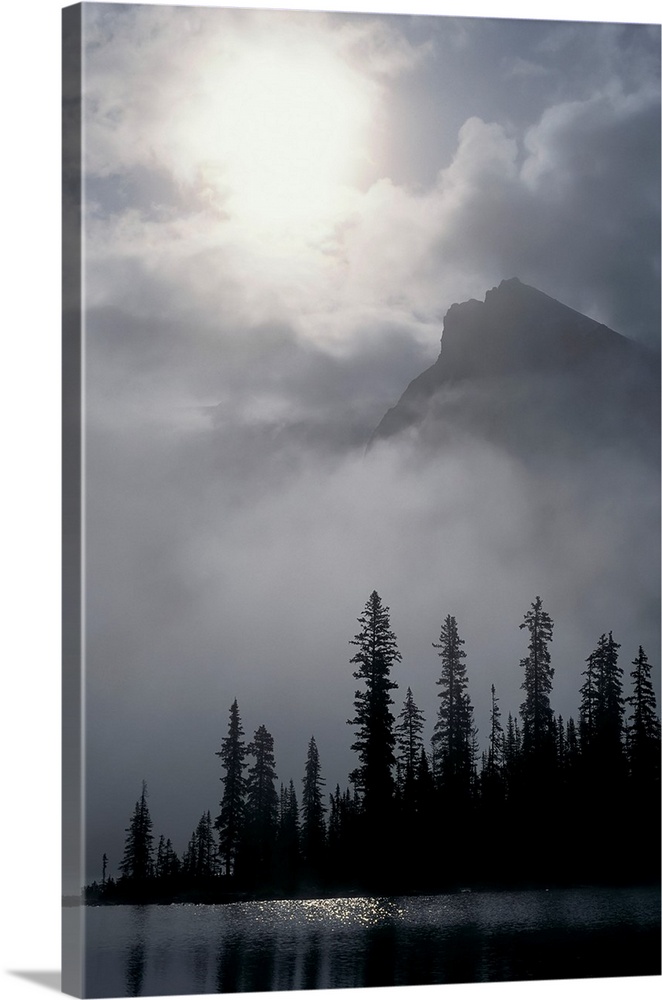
(377, 652)
(287, 841)
(138, 862)
(374, 786)
(538, 729)
(495, 750)
(409, 740)
(261, 806)
(643, 727)
(231, 819)
(313, 833)
(453, 738)
(602, 799)
(588, 707)
(643, 749)
(609, 704)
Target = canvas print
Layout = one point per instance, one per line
(361, 500)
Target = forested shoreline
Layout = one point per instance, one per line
(546, 801)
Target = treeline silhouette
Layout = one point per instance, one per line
(548, 801)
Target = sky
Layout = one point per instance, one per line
(279, 210)
(30, 734)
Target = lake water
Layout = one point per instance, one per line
(357, 942)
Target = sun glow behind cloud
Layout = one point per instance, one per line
(279, 130)
(286, 132)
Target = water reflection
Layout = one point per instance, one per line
(363, 942)
(418, 957)
(258, 971)
(199, 967)
(229, 963)
(135, 970)
(135, 959)
(286, 970)
(380, 954)
(312, 961)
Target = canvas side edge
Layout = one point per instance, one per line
(72, 508)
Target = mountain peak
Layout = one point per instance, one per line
(517, 336)
(518, 328)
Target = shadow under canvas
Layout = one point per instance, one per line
(50, 980)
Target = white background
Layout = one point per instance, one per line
(30, 487)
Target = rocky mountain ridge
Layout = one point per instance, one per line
(523, 357)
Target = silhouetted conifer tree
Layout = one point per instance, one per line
(570, 775)
(588, 707)
(375, 741)
(512, 745)
(261, 805)
(288, 815)
(138, 862)
(313, 834)
(207, 851)
(345, 864)
(492, 778)
(425, 790)
(170, 864)
(572, 748)
(538, 726)
(288, 838)
(495, 751)
(231, 819)
(453, 738)
(561, 746)
(643, 756)
(200, 858)
(190, 857)
(609, 708)
(572, 743)
(419, 858)
(160, 855)
(538, 730)
(601, 801)
(512, 756)
(409, 741)
(514, 813)
(538, 772)
(407, 843)
(643, 727)
(335, 828)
